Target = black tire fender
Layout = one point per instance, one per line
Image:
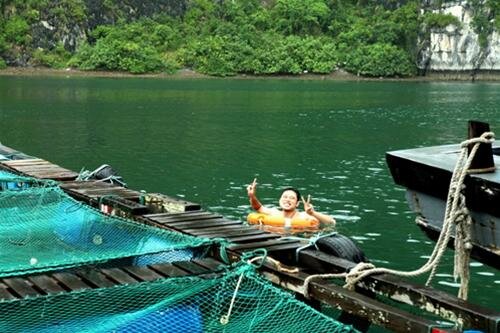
(341, 246)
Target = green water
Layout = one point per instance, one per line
(205, 140)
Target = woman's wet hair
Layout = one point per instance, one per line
(292, 189)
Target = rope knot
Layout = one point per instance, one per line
(486, 137)
(356, 274)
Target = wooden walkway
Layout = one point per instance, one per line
(92, 278)
(39, 168)
(359, 308)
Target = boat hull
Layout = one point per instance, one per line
(426, 174)
(485, 233)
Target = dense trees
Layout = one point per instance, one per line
(226, 37)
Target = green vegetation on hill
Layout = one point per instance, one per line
(227, 37)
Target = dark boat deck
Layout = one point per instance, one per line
(428, 170)
(358, 307)
(445, 157)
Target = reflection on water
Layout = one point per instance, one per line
(205, 140)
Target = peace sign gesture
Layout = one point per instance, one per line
(308, 207)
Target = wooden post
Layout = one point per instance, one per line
(483, 160)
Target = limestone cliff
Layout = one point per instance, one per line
(70, 22)
(457, 49)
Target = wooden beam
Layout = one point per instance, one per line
(425, 298)
(351, 302)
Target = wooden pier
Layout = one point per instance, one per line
(93, 277)
(359, 307)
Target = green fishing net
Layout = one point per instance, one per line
(42, 228)
(237, 301)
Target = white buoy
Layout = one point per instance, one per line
(97, 239)
(33, 261)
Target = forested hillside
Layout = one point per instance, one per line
(226, 37)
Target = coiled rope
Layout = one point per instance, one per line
(456, 214)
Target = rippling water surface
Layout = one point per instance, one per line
(205, 140)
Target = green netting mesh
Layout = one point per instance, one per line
(42, 228)
(187, 304)
(10, 181)
(5, 175)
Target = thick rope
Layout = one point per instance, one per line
(310, 242)
(456, 213)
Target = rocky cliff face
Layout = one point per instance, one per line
(457, 49)
(58, 25)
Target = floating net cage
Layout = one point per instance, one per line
(42, 229)
(220, 303)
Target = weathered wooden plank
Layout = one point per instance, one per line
(50, 172)
(21, 287)
(5, 293)
(216, 228)
(45, 283)
(99, 191)
(243, 231)
(118, 191)
(55, 176)
(40, 167)
(142, 273)
(85, 184)
(118, 275)
(191, 267)
(183, 217)
(264, 244)
(168, 270)
(250, 238)
(70, 281)
(210, 263)
(62, 178)
(52, 175)
(217, 222)
(189, 220)
(173, 214)
(37, 170)
(425, 298)
(201, 219)
(95, 278)
(352, 302)
(25, 162)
